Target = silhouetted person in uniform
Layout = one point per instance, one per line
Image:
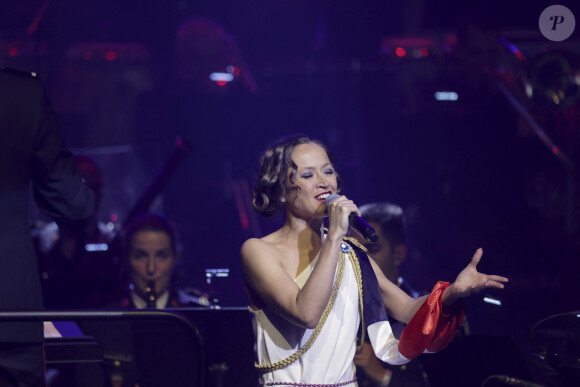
(31, 151)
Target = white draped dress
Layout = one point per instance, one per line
(330, 359)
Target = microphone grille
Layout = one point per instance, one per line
(330, 198)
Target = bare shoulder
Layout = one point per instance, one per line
(254, 245)
(264, 271)
(255, 248)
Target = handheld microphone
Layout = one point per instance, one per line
(357, 223)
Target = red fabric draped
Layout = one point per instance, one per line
(430, 328)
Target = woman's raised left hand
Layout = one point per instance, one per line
(470, 281)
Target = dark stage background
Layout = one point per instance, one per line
(129, 77)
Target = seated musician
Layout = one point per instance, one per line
(149, 281)
(152, 261)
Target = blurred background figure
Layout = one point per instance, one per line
(208, 59)
(32, 153)
(152, 266)
(389, 252)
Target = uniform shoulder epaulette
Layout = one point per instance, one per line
(27, 74)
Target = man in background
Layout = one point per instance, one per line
(31, 151)
(389, 252)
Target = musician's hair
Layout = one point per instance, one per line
(149, 222)
(391, 218)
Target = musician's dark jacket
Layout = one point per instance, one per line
(31, 153)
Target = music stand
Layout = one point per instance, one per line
(148, 347)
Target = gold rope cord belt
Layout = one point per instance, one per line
(311, 385)
(344, 248)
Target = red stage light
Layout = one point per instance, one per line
(400, 51)
(13, 51)
(111, 55)
(424, 52)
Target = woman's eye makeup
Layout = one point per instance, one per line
(306, 175)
